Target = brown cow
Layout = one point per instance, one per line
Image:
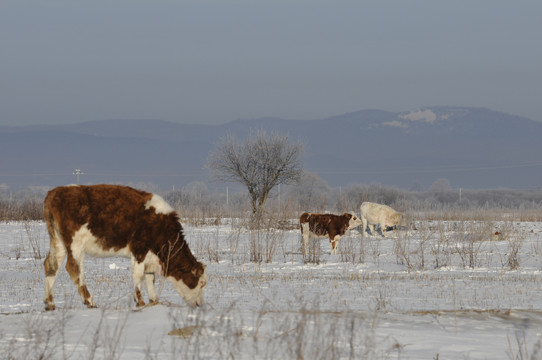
(111, 220)
(326, 225)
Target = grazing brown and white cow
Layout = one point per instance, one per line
(378, 214)
(111, 220)
(326, 225)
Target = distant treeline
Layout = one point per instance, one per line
(196, 201)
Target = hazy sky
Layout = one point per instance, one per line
(212, 61)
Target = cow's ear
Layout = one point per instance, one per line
(198, 272)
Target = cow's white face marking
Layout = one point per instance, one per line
(193, 297)
(354, 221)
(159, 204)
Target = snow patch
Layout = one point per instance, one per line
(426, 115)
(396, 123)
(116, 267)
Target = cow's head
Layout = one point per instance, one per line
(402, 220)
(354, 221)
(191, 285)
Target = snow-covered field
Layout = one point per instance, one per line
(443, 291)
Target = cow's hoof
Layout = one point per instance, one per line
(90, 304)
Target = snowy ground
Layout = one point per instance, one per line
(442, 291)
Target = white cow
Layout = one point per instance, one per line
(383, 215)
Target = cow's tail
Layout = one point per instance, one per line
(52, 227)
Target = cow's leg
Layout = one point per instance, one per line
(371, 229)
(52, 263)
(74, 265)
(138, 273)
(363, 226)
(383, 228)
(334, 244)
(149, 282)
(76, 260)
(305, 233)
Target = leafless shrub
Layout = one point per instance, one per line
(362, 248)
(212, 248)
(272, 239)
(305, 332)
(519, 343)
(469, 241)
(537, 350)
(112, 338)
(28, 208)
(401, 250)
(314, 251)
(196, 205)
(282, 216)
(514, 245)
(33, 238)
(264, 244)
(233, 241)
(421, 248)
(41, 340)
(256, 246)
(441, 247)
(351, 249)
(18, 251)
(45, 338)
(373, 244)
(515, 242)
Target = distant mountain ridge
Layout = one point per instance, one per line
(471, 147)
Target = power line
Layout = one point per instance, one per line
(105, 172)
(447, 169)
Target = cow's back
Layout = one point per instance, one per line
(109, 211)
(374, 212)
(80, 201)
(320, 224)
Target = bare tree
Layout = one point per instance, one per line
(260, 163)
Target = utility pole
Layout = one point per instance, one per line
(78, 172)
